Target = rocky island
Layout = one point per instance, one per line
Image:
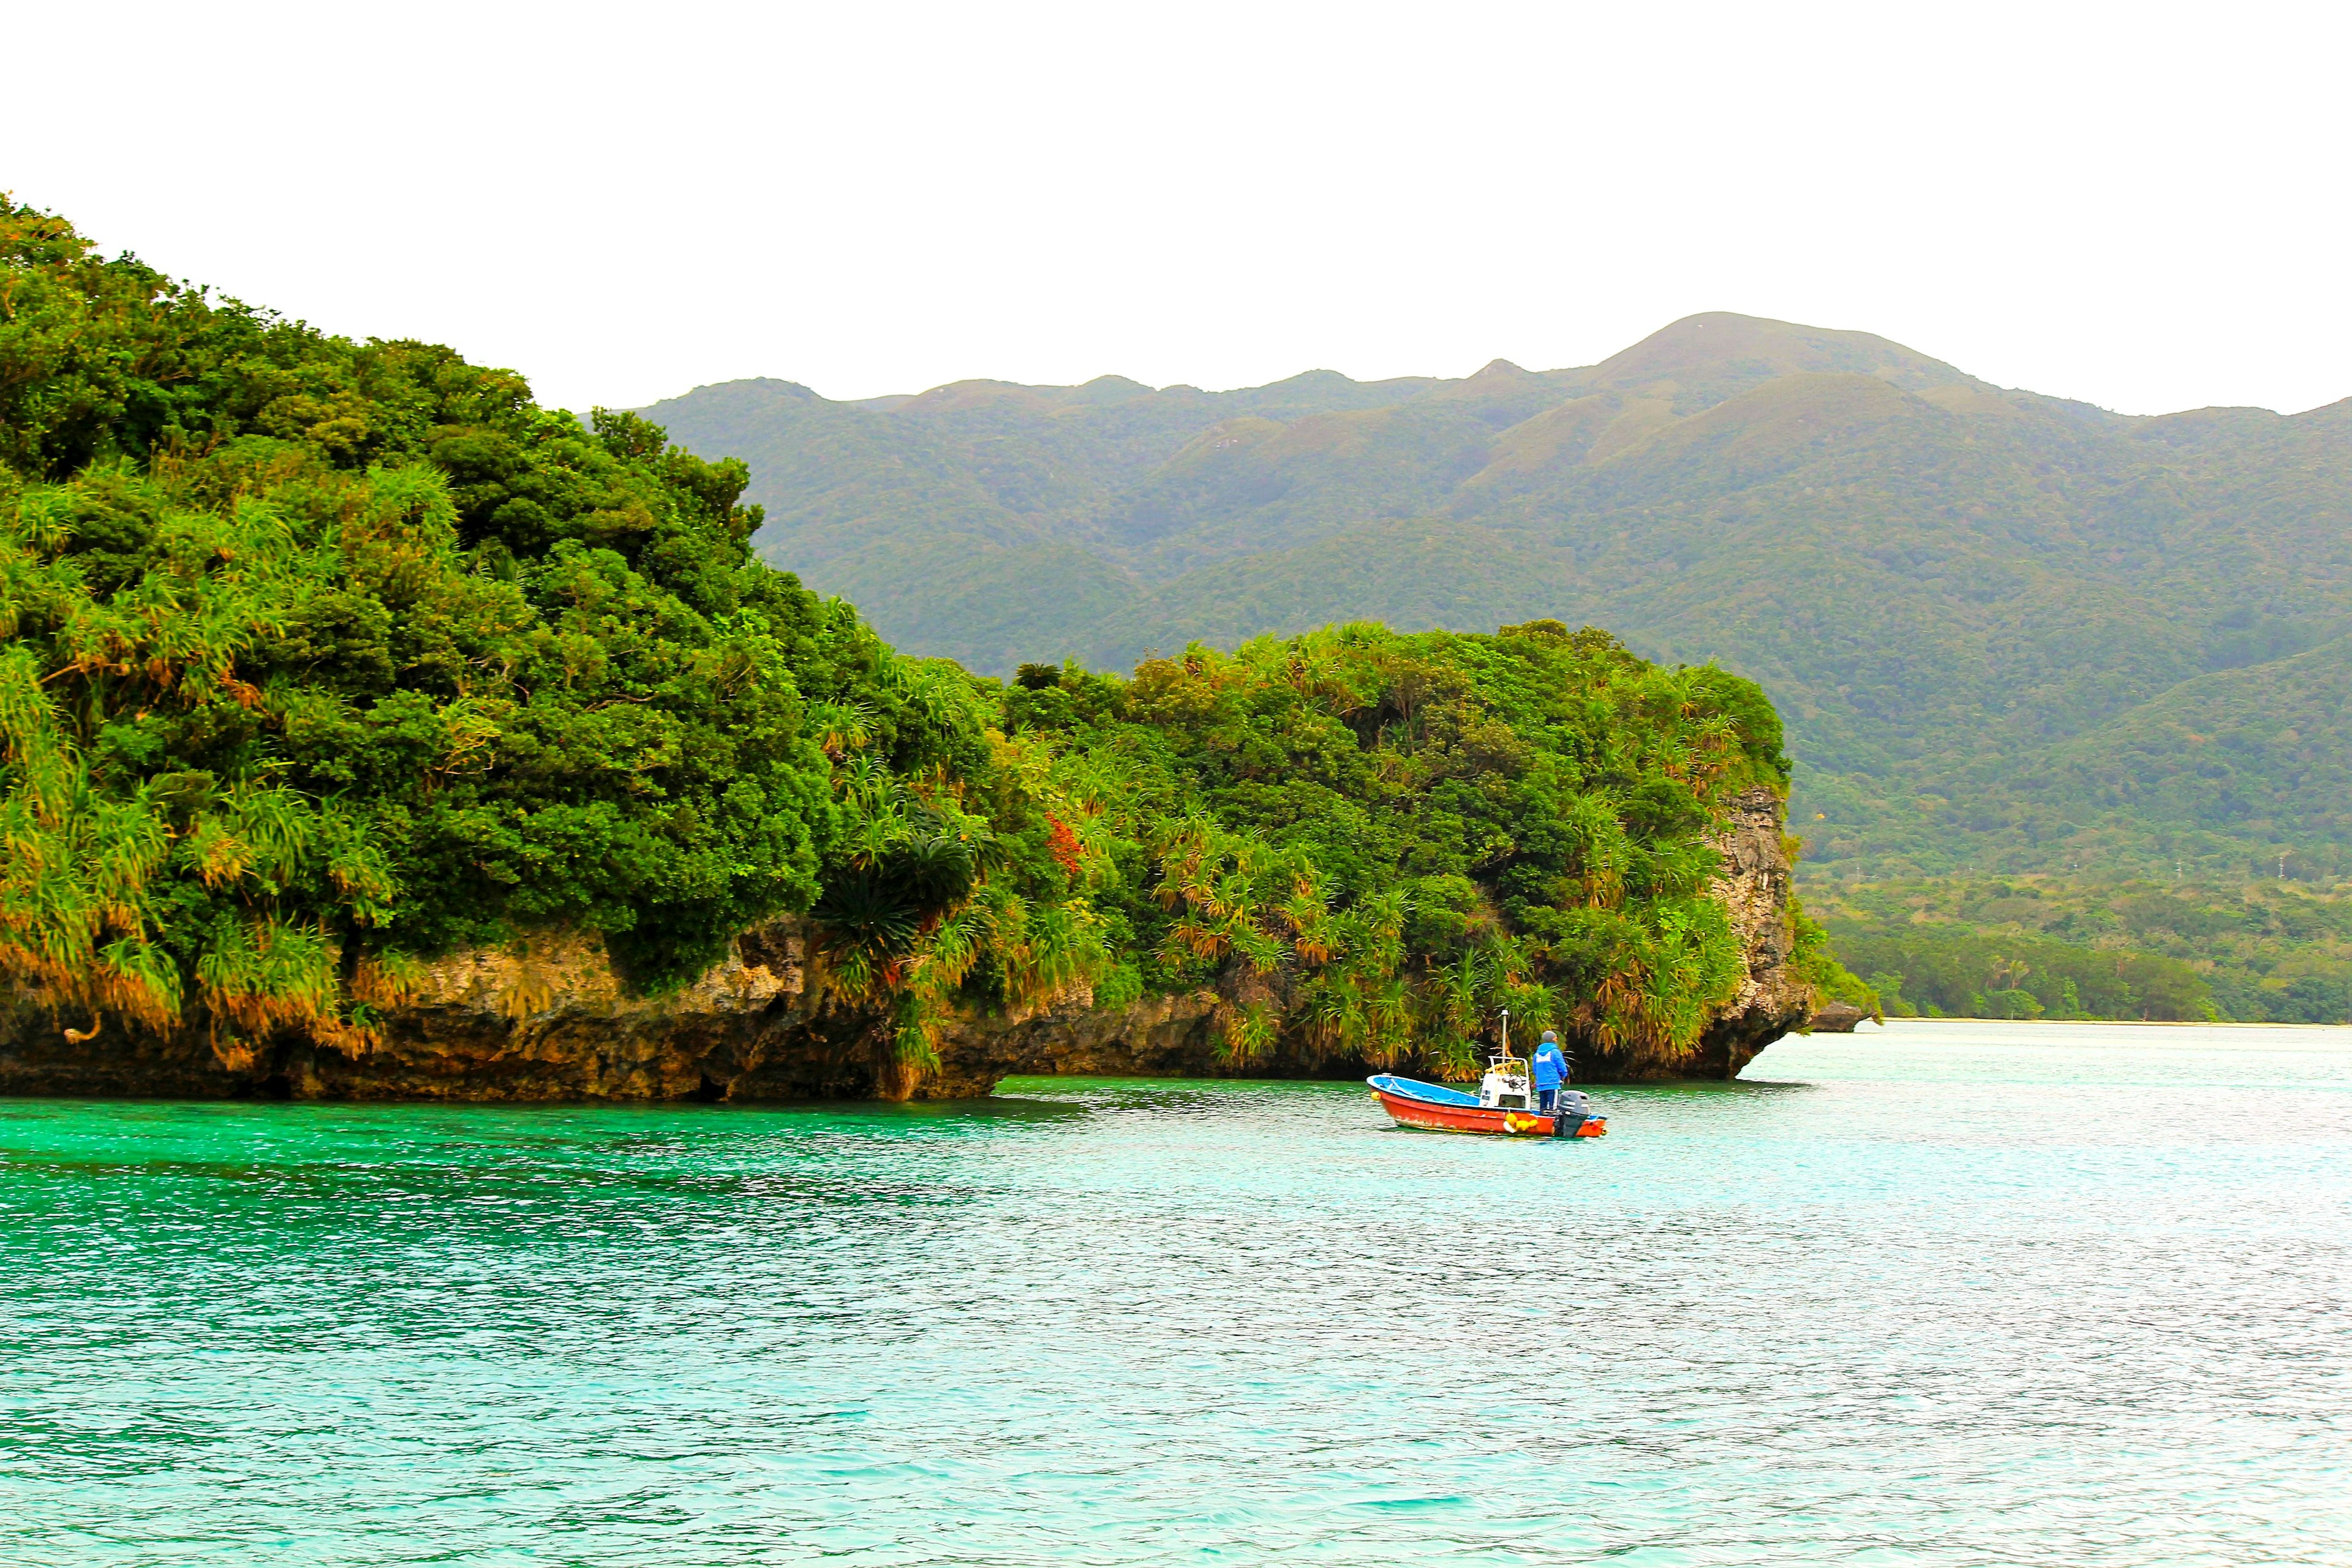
(373, 733)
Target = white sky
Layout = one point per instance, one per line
(2140, 205)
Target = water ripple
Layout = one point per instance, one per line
(1967, 1295)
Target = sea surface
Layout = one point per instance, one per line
(1937, 1293)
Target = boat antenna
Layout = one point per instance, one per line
(1507, 1031)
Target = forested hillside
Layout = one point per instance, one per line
(319, 658)
(2039, 947)
(2009, 632)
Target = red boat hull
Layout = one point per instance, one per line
(1438, 1118)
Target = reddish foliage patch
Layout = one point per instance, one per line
(1064, 845)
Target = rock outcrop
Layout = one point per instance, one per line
(549, 1020)
(1753, 885)
(1835, 1018)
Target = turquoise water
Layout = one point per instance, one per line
(1939, 1294)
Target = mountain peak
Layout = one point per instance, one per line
(753, 386)
(958, 396)
(1702, 360)
(1102, 392)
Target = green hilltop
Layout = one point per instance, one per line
(2009, 632)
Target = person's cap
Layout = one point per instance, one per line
(1549, 1035)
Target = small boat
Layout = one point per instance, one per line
(1506, 1103)
(1438, 1108)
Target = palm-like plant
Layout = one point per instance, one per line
(134, 892)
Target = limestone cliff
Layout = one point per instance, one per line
(1753, 885)
(549, 1019)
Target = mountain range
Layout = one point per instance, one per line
(2007, 631)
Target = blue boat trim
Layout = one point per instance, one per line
(1428, 1093)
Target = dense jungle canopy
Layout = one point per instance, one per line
(321, 658)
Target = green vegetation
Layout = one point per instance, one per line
(1406, 832)
(2258, 951)
(323, 655)
(321, 658)
(2009, 633)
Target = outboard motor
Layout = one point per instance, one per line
(1570, 1111)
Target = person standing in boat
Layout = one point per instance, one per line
(1551, 1072)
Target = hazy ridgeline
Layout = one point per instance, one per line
(2008, 631)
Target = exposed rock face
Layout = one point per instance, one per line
(1754, 887)
(549, 1020)
(1835, 1018)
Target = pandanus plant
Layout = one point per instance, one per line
(919, 899)
(136, 890)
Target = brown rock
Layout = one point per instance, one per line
(1754, 887)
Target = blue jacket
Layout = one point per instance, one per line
(1551, 1067)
